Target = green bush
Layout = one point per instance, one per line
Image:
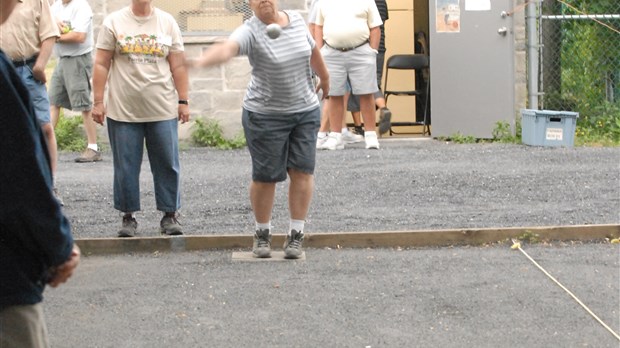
(599, 126)
(503, 133)
(209, 133)
(69, 136)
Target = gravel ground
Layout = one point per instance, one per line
(462, 296)
(407, 185)
(362, 298)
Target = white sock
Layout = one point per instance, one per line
(93, 146)
(370, 133)
(265, 226)
(322, 134)
(344, 130)
(297, 225)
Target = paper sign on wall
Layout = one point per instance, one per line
(448, 16)
(477, 5)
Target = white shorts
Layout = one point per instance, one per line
(358, 65)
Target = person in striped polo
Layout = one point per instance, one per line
(280, 116)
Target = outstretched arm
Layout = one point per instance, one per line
(217, 54)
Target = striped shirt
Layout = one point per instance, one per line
(383, 12)
(281, 81)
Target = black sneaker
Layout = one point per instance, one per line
(169, 225)
(359, 130)
(130, 225)
(292, 245)
(262, 244)
(385, 120)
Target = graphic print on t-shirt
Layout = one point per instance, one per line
(142, 48)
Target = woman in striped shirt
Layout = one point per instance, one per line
(281, 114)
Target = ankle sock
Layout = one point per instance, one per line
(297, 225)
(265, 226)
(93, 147)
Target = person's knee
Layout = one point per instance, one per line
(299, 175)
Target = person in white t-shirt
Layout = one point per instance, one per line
(348, 32)
(281, 115)
(70, 87)
(140, 57)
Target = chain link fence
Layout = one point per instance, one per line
(207, 17)
(579, 60)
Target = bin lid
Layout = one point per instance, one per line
(552, 113)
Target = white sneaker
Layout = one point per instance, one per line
(320, 141)
(351, 138)
(333, 142)
(371, 140)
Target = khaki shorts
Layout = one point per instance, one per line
(23, 326)
(70, 87)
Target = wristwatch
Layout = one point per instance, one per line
(184, 101)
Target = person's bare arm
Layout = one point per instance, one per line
(38, 70)
(375, 37)
(176, 60)
(101, 68)
(63, 272)
(318, 36)
(217, 54)
(72, 37)
(319, 67)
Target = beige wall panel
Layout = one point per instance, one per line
(400, 4)
(399, 40)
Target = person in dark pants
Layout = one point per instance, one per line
(36, 246)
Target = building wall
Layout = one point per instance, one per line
(217, 92)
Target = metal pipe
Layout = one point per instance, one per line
(532, 55)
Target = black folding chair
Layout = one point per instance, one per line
(416, 63)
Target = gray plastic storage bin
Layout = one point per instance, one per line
(548, 128)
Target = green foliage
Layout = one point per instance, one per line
(599, 126)
(459, 138)
(590, 72)
(69, 136)
(529, 237)
(503, 133)
(209, 133)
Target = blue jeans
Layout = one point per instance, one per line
(127, 140)
(38, 93)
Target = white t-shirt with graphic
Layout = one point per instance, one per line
(140, 84)
(78, 17)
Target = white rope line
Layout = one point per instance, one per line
(517, 245)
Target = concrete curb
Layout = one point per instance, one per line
(379, 239)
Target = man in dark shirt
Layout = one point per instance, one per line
(36, 246)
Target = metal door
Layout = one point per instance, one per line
(472, 66)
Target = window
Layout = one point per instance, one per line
(207, 17)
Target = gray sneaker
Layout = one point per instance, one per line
(130, 225)
(385, 120)
(89, 155)
(170, 226)
(292, 245)
(262, 244)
